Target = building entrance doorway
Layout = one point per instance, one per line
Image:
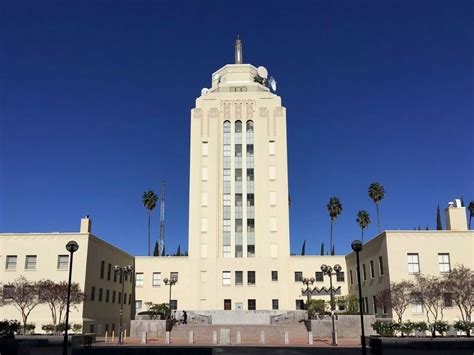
(227, 305)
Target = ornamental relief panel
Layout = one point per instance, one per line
(263, 112)
(278, 111)
(226, 110)
(238, 110)
(213, 113)
(197, 113)
(249, 109)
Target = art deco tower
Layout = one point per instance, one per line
(238, 205)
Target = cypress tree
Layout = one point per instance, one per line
(303, 248)
(178, 252)
(333, 251)
(156, 251)
(439, 225)
(322, 248)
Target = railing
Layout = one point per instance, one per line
(288, 316)
(199, 318)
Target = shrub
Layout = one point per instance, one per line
(30, 328)
(76, 328)
(420, 326)
(407, 327)
(61, 327)
(49, 328)
(8, 328)
(463, 326)
(440, 326)
(386, 328)
(316, 307)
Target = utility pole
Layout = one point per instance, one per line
(161, 243)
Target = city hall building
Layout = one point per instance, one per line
(239, 243)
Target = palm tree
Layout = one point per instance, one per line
(363, 219)
(470, 208)
(149, 199)
(376, 193)
(334, 208)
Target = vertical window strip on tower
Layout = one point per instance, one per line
(238, 189)
(226, 213)
(250, 190)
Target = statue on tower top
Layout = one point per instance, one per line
(238, 51)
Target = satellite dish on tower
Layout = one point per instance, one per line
(273, 84)
(204, 91)
(262, 72)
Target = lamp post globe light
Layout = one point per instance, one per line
(122, 271)
(308, 281)
(328, 271)
(71, 247)
(170, 282)
(357, 247)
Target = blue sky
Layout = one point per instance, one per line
(95, 102)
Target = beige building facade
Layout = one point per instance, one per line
(239, 243)
(43, 256)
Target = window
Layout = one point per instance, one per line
(119, 300)
(416, 304)
(174, 276)
(448, 299)
(11, 262)
(443, 260)
(107, 295)
(100, 294)
(63, 261)
(126, 276)
(273, 198)
(271, 148)
(380, 266)
(226, 278)
(273, 224)
(113, 296)
(109, 271)
(174, 305)
(30, 262)
(115, 276)
(102, 269)
(156, 280)
(106, 328)
(274, 275)
(227, 305)
(374, 302)
(384, 308)
(139, 279)
(366, 304)
(204, 199)
(340, 276)
(364, 272)
(300, 304)
(272, 172)
(372, 273)
(204, 173)
(350, 276)
(250, 277)
(239, 278)
(130, 298)
(251, 305)
(125, 298)
(204, 148)
(275, 304)
(204, 225)
(298, 276)
(319, 276)
(93, 293)
(413, 264)
(138, 305)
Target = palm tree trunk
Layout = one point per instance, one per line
(149, 216)
(378, 217)
(362, 229)
(470, 217)
(330, 238)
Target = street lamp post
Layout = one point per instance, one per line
(122, 271)
(308, 281)
(328, 271)
(170, 282)
(71, 247)
(357, 247)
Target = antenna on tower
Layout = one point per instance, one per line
(161, 243)
(238, 51)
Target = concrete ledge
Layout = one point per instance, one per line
(408, 346)
(347, 326)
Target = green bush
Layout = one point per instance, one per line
(30, 328)
(407, 327)
(440, 326)
(61, 327)
(49, 328)
(76, 328)
(316, 307)
(420, 326)
(463, 326)
(8, 328)
(386, 328)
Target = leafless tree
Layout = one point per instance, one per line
(398, 297)
(23, 295)
(430, 290)
(460, 282)
(55, 296)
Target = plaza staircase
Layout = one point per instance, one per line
(249, 334)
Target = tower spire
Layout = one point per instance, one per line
(238, 51)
